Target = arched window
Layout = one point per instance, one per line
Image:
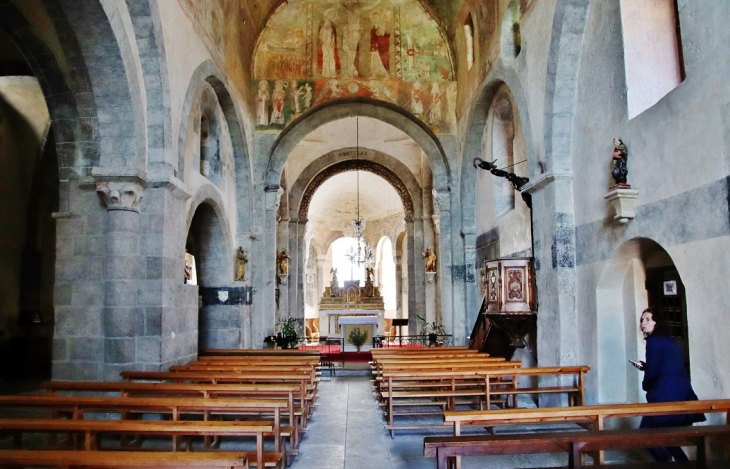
(511, 39)
(503, 135)
(469, 40)
(653, 60)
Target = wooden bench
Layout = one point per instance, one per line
(256, 352)
(506, 383)
(576, 444)
(76, 407)
(306, 380)
(288, 392)
(122, 459)
(93, 429)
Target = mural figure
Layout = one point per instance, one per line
(307, 96)
(241, 262)
(417, 99)
(295, 94)
(328, 48)
(350, 46)
(282, 261)
(620, 161)
(434, 112)
(277, 103)
(379, 50)
(430, 257)
(262, 103)
(188, 272)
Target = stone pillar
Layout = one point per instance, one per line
(123, 268)
(283, 241)
(321, 261)
(455, 321)
(398, 260)
(411, 263)
(469, 241)
(297, 251)
(439, 285)
(554, 245)
(265, 321)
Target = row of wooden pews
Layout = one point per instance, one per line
(258, 395)
(411, 382)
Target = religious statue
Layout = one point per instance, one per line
(334, 276)
(188, 272)
(241, 261)
(368, 275)
(282, 261)
(620, 161)
(430, 257)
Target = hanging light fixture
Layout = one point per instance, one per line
(359, 254)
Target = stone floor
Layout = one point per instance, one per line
(346, 432)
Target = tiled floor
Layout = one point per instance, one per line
(346, 432)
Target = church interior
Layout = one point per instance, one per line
(506, 175)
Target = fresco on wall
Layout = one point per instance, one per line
(311, 52)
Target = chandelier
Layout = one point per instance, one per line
(359, 254)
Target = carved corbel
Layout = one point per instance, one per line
(273, 197)
(121, 195)
(442, 197)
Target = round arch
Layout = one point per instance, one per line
(476, 123)
(621, 295)
(208, 194)
(207, 72)
(351, 107)
(313, 183)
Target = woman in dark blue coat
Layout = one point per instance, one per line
(664, 380)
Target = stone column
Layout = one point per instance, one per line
(297, 269)
(283, 241)
(469, 241)
(554, 245)
(398, 284)
(411, 262)
(323, 326)
(265, 322)
(437, 249)
(123, 268)
(454, 322)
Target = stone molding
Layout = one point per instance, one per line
(273, 197)
(357, 165)
(442, 197)
(178, 188)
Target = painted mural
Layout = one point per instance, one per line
(311, 52)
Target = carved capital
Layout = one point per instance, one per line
(442, 197)
(121, 195)
(273, 197)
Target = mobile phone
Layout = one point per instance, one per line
(636, 364)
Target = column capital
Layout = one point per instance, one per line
(120, 190)
(442, 197)
(273, 197)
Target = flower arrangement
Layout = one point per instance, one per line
(358, 337)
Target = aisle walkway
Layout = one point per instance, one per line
(346, 432)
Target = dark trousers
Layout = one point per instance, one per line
(663, 454)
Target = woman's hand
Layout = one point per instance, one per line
(638, 365)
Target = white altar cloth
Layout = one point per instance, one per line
(370, 321)
(329, 313)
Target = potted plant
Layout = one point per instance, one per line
(288, 329)
(430, 330)
(358, 337)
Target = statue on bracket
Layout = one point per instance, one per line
(430, 257)
(620, 162)
(241, 261)
(282, 262)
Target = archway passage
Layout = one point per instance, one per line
(641, 274)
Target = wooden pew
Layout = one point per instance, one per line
(127, 407)
(93, 429)
(288, 392)
(307, 380)
(576, 444)
(122, 459)
(256, 352)
(505, 382)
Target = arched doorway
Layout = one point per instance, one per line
(640, 274)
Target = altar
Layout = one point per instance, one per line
(347, 323)
(337, 313)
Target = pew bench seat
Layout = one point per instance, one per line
(122, 459)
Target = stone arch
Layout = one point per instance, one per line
(209, 194)
(366, 107)
(476, 123)
(71, 104)
(339, 161)
(620, 297)
(566, 42)
(208, 72)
